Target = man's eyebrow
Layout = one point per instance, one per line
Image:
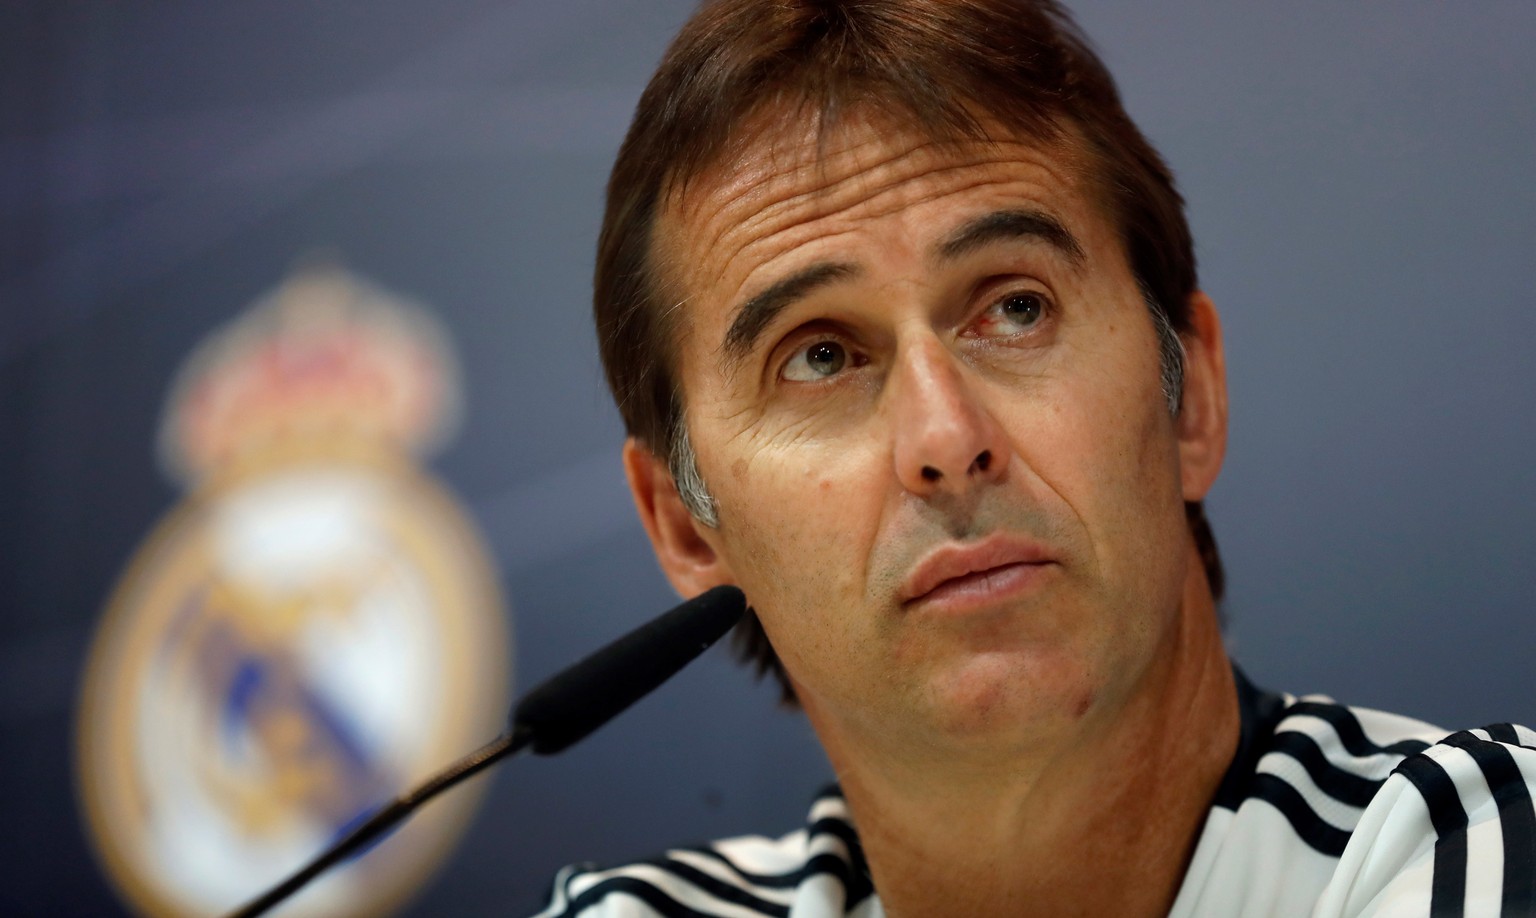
(1011, 224)
(754, 315)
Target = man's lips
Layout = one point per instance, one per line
(972, 565)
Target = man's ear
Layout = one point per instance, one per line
(1202, 420)
(682, 547)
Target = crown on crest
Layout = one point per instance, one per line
(326, 357)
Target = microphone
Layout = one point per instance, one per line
(583, 697)
(558, 713)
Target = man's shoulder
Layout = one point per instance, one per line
(748, 875)
(1357, 809)
(1383, 812)
(1321, 749)
(1323, 765)
(1315, 762)
(1327, 754)
(1454, 825)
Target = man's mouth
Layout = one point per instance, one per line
(966, 574)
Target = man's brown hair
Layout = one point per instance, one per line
(943, 65)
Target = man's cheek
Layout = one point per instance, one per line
(1123, 432)
(792, 476)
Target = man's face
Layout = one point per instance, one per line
(923, 388)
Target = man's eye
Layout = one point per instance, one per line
(1012, 314)
(1021, 309)
(818, 361)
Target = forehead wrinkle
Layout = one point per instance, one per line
(793, 190)
(891, 179)
(798, 231)
(790, 153)
(766, 159)
(747, 175)
(872, 183)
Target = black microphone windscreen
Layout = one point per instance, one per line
(583, 697)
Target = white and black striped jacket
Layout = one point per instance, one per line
(1326, 811)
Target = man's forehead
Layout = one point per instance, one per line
(781, 146)
(787, 170)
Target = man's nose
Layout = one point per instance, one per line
(946, 440)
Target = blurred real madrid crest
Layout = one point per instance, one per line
(314, 629)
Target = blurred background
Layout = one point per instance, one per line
(1361, 180)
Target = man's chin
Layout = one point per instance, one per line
(1011, 696)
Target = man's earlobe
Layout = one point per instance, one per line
(687, 558)
(1202, 420)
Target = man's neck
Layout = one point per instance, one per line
(1104, 826)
